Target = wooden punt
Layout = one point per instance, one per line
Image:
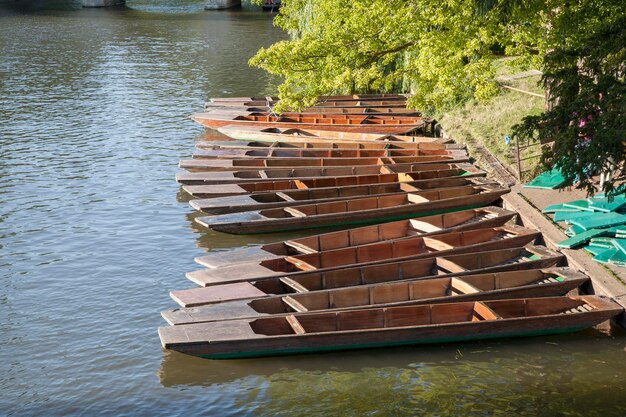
(265, 105)
(276, 174)
(341, 97)
(313, 111)
(289, 198)
(413, 247)
(388, 326)
(326, 145)
(486, 286)
(254, 164)
(514, 259)
(479, 218)
(369, 210)
(350, 122)
(334, 101)
(300, 134)
(328, 107)
(421, 179)
(322, 153)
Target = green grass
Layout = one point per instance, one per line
(478, 124)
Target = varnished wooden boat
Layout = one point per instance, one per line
(514, 259)
(486, 286)
(328, 101)
(289, 198)
(322, 153)
(423, 179)
(326, 144)
(265, 105)
(276, 174)
(300, 134)
(413, 247)
(388, 96)
(390, 326)
(355, 123)
(243, 164)
(369, 210)
(479, 218)
(313, 111)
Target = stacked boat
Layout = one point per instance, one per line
(415, 249)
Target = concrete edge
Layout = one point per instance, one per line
(602, 281)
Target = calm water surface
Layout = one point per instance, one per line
(94, 233)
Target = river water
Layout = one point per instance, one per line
(94, 233)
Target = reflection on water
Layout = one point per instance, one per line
(532, 377)
(94, 232)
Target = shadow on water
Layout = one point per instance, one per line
(534, 376)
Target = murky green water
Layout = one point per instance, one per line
(93, 235)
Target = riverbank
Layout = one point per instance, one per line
(486, 125)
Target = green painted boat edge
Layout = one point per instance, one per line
(324, 349)
(367, 222)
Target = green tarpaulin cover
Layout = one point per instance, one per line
(547, 180)
(599, 221)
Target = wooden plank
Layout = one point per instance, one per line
(295, 324)
(284, 196)
(463, 287)
(294, 304)
(449, 266)
(300, 185)
(299, 246)
(483, 311)
(294, 285)
(294, 212)
(300, 264)
(437, 244)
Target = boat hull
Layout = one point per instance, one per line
(388, 294)
(252, 338)
(256, 223)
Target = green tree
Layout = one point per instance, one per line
(443, 52)
(586, 124)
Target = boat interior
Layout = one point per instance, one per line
(420, 315)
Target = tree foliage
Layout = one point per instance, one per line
(586, 124)
(442, 51)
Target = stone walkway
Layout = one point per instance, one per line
(607, 280)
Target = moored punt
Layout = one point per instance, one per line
(265, 105)
(479, 218)
(312, 111)
(389, 326)
(394, 250)
(369, 210)
(288, 198)
(327, 101)
(299, 134)
(323, 153)
(275, 174)
(354, 123)
(423, 179)
(486, 286)
(514, 259)
(254, 164)
(389, 96)
(325, 144)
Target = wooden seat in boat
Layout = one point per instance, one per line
(483, 312)
(458, 286)
(294, 304)
(294, 212)
(295, 324)
(294, 285)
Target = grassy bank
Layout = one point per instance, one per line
(487, 124)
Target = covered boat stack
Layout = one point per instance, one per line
(402, 240)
